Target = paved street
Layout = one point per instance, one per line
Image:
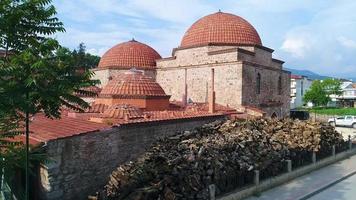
(298, 188)
(344, 190)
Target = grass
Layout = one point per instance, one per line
(334, 111)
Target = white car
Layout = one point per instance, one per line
(348, 120)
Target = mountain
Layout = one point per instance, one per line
(307, 73)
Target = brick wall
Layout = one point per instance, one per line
(81, 165)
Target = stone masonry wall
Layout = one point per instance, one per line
(228, 78)
(81, 165)
(269, 89)
(234, 85)
(104, 74)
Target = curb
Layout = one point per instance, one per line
(321, 189)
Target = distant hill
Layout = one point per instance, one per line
(307, 73)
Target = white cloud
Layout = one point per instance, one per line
(298, 46)
(346, 42)
(308, 33)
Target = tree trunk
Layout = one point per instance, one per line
(27, 150)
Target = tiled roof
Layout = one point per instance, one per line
(97, 108)
(44, 129)
(123, 111)
(221, 28)
(132, 83)
(130, 54)
(293, 76)
(96, 90)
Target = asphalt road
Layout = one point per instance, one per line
(345, 190)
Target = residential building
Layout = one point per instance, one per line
(299, 86)
(348, 97)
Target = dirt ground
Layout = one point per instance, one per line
(346, 132)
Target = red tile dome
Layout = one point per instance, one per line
(130, 54)
(221, 28)
(132, 84)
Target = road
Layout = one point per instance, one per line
(316, 180)
(345, 190)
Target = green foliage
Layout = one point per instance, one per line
(46, 73)
(83, 59)
(332, 86)
(334, 111)
(316, 94)
(25, 22)
(320, 91)
(38, 76)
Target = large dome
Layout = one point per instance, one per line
(132, 84)
(221, 28)
(130, 54)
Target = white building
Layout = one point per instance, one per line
(348, 97)
(299, 86)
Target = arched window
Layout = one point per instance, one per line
(280, 85)
(258, 83)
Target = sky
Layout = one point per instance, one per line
(316, 35)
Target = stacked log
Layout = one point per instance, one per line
(223, 153)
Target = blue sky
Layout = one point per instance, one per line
(318, 35)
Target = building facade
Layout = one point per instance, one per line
(348, 97)
(299, 86)
(246, 74)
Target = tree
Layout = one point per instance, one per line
(40, 75)
(320, 91)
(83, 59)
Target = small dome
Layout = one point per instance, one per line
(132, 84)
(130, 54)
(221, 28)
(123, 111)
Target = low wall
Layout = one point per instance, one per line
(320, 117)
(81, 165)
(278, 180)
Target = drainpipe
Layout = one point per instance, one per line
(212, 93)
(185, 93)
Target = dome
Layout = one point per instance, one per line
(221, 28)
(123, 111)
(132, 84)
(130, 54)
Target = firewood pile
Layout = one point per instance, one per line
(223, 153)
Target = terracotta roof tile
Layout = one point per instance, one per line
(132, 83)
(130, 54)
(44, 129)
(123, 111)
(221, 28)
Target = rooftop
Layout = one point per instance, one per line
(221, 28)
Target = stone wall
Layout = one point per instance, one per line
(236, 68)
(104, 74)
(81, 165)
(228, 77)
(269, 92)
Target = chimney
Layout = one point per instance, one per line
(212, 93)
(185, 94)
